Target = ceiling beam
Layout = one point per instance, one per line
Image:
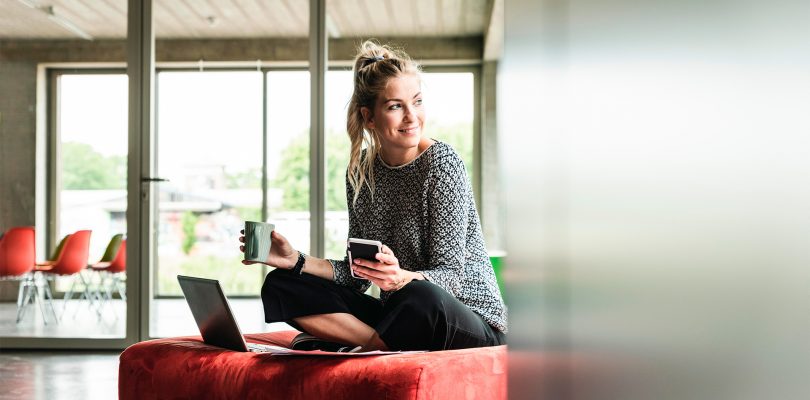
(422, 49)
(493, 34)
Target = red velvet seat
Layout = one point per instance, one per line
(187, 368)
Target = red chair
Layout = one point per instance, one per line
(17, 259)
(113, 270)
(71, 261)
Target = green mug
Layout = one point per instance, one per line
(257, 240)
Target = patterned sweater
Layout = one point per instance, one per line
(424, 211)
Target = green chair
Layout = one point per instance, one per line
(56, 252)
(112, 248)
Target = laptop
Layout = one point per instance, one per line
(218, 326)
(213, 315)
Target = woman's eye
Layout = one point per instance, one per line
(418, 102)
(395, 107)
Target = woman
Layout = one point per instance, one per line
(438, 289)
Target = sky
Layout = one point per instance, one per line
(214, 117)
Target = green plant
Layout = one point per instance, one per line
(189, 224)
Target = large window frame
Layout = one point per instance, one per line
(140, 66)
(54, 137)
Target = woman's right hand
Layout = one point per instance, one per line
(282, 255)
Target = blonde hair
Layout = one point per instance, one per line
(374, 66)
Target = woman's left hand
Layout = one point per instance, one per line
(385, 272)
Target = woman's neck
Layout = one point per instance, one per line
(405, 156)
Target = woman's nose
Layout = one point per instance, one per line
(408, 114)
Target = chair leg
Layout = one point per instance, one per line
(76, 310)
(20, 294)
(86, 283)
(41, 305)
(27, 289)
(68, 295)
(122, 290)
(102, 284)
(99, 296)
(110, 288)
(49, 297)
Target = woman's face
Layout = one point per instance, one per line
(398, 116)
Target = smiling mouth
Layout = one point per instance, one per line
(408, 130)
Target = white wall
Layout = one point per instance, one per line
(656, 176)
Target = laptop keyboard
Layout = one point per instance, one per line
(265, 348)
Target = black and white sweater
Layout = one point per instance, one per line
(425, 213)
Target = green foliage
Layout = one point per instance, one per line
(189, 222)
(337, 159)
(250, 179)
(460, 137)
(236, 279)
(85, 169)
(249, 213)
(294, 176)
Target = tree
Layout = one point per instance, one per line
(83, 168)
(460, 137)
(293, 177)
(189, 225)
(247, 179)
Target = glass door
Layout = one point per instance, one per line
(209, 148)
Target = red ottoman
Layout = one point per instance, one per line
(186, 368)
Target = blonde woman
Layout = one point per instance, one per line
(410, 192)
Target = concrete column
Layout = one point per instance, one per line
(492, 215)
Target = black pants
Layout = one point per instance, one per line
(420, 316)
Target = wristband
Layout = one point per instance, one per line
(298, 269)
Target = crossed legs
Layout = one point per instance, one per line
(420, 316)
(322, 309)
(342, 328)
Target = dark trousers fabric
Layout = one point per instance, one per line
(420, 316)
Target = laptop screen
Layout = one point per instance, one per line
(211, 312)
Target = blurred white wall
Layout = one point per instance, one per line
(657, 181)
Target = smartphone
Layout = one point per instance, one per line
(364, 249)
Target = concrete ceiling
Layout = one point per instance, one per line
(197, 19)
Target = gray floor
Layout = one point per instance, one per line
(92, 374)
(168, 317)
(58, 375)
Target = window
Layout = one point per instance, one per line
(209, 128)
(209, 136)
(92, 143)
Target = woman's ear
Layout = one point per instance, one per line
(368, 119)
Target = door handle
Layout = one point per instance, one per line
(150, 179)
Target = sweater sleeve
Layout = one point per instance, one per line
(448, 200)
(340, 268)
